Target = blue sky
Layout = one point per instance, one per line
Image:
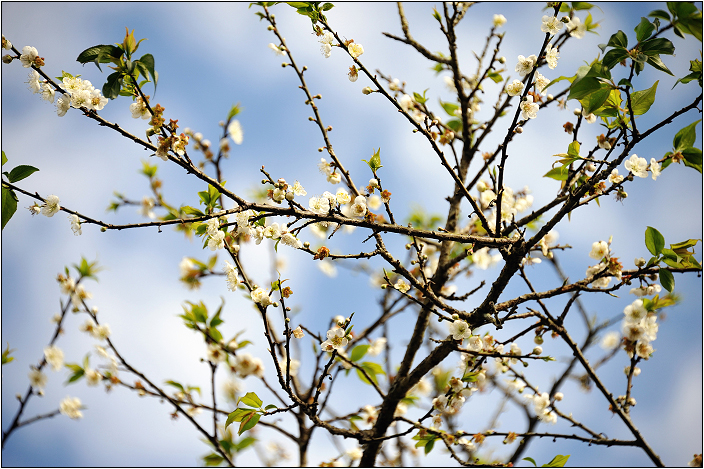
(212, 55)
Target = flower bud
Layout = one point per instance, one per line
(367, 90)
(538, 339)
(639, 262)
(290, 196)
(306, 244)
(577, 111)
(7, 58)
(502, 60)
(519, 130)
(270, 28)
(550, 97)
(591, 167)
(558, 396)
(537, 350)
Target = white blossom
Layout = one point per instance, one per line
(37, 379)
(261, 297)
(551, 24)
(529, 109)
(599, 250)
(525, 65)
(54, 356)
(75, 224)
(551, 56)
(355, 50)
(514, 88)
(234, 129)
(499, 20)
(577, 28)
(71, 407)
(638, 166)
(460, 330)
(51, 206)
(232, 279)
(654, 168)
(28, 56)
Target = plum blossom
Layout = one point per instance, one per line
(514, 88)
(51, 206)
(234, 129)
(37, 379)
(638, 166)
(551, 56)
(614, 177)
(460, 330)
(71, 407)
(261, 297)
(75, 224)
(551, 25)
(355, 50)
(577, 28)
(29, 57)
(278, 50)
(499, 20)
(599, 250)
(231, 273)
(359, 208)
(654, 168)
(217, 241)
(541, 82)
(525, 65)
(326, 41)
(337, 340)
(529, 109)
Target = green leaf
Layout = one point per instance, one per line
(654, 241)
(531, 460)
(667, 280)
(662, 14)
(103, 53)
(111, 88)
(642, 100)
(584, 87)
(252, 400)
(327, 6)
(21, 172)
(234, 110)
(358, 352)
(192, 211)
(9, 205)
(559, 174)
(618, 39)
(558, 461)
(420, 99)
(248, 422)
(213, 459)
(693, 158)
(581, 5)
(450, 108)
(6, 358)
(595, 100)
(644, 30)
(686, 137)
(495, 76)
(237, 415)
(657, 63)
(4, 159)
(148, 61)
(375, 161)
(657, 46)
(614, 56)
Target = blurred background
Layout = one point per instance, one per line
(212, 55)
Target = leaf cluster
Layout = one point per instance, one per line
(127, 70)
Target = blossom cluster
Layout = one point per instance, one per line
(601, 252)
(79, 94)
(512, 202)
(640, 328)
